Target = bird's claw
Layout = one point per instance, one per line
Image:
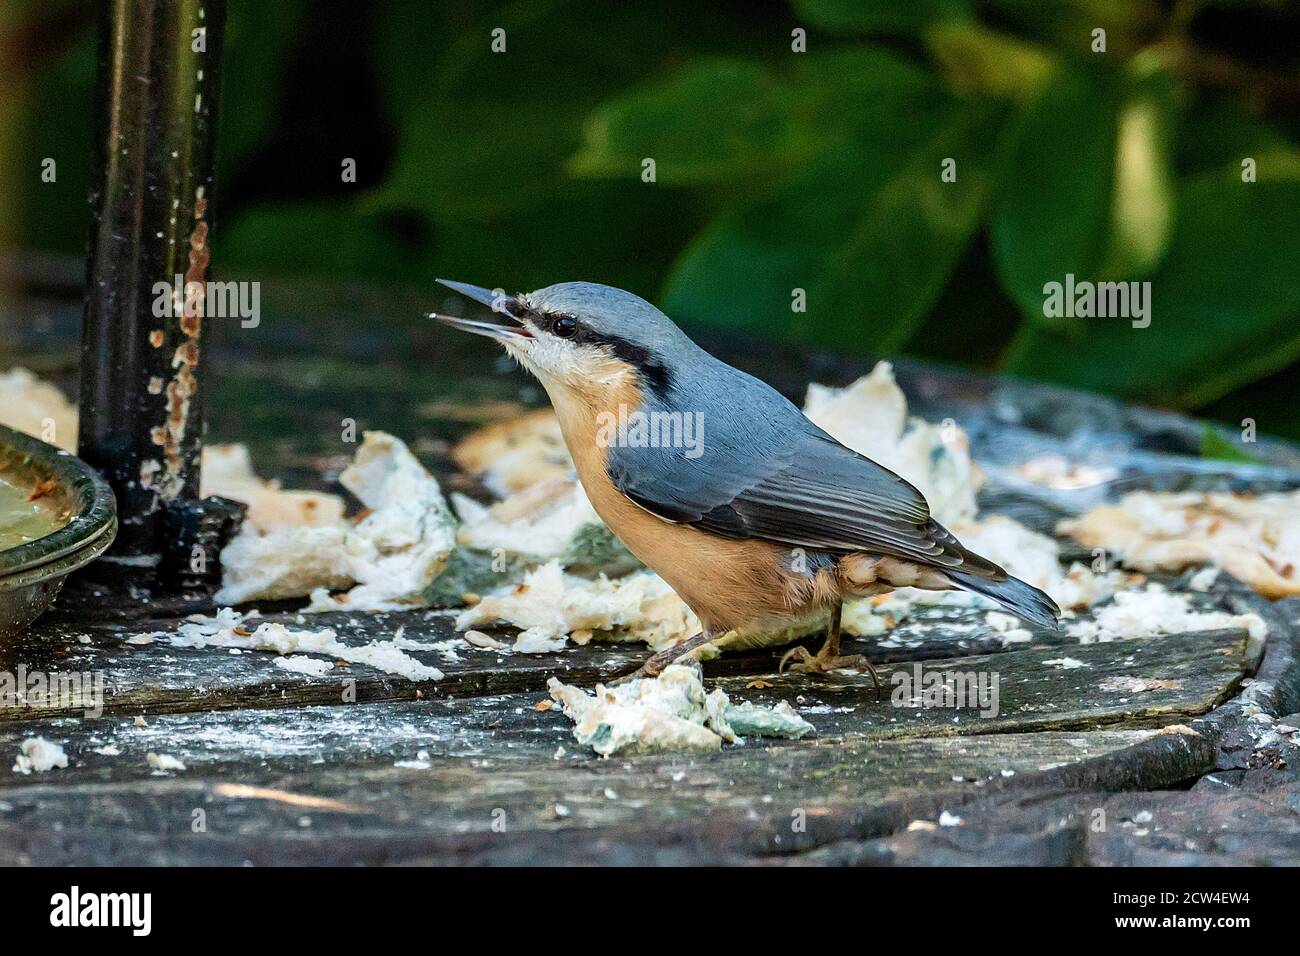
(798, 651)
(810, 663)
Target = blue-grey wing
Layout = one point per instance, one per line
(794, 486)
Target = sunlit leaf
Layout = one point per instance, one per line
(1142, 202)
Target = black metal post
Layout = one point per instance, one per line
(142, 339)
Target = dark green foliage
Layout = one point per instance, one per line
(795, 195)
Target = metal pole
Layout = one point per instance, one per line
(142, 339)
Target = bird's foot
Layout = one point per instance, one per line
(821, 662)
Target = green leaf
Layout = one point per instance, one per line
(1087, 187)
(716, 120)
(1224, 306)
(741, 270)
(860, 92)
(879, 16)
(870, 233)
(976, 59)
(908, 238)
(483, 135)
(1053, 209)
(730, 121)
(1216, 447)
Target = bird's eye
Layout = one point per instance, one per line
(564, 326)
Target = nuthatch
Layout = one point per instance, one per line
(758, 519)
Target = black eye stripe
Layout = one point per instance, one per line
(562, 324)
(652, 369)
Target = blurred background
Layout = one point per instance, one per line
(774, 170)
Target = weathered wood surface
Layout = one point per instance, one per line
(155, 677)
(287, 769)
(325, 788)
(1235, 817)
(1190, 674)
(1187, 674)
(743, 803)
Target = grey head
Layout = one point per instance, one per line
(575, 331)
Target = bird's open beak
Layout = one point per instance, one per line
(505, 326)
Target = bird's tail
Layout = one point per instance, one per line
(1021, 599)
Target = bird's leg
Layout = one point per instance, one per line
(656, 663)
(828, 658)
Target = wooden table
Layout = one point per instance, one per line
(284, 768)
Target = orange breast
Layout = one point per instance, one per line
(731, 585)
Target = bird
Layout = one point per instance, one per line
(758, 519)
